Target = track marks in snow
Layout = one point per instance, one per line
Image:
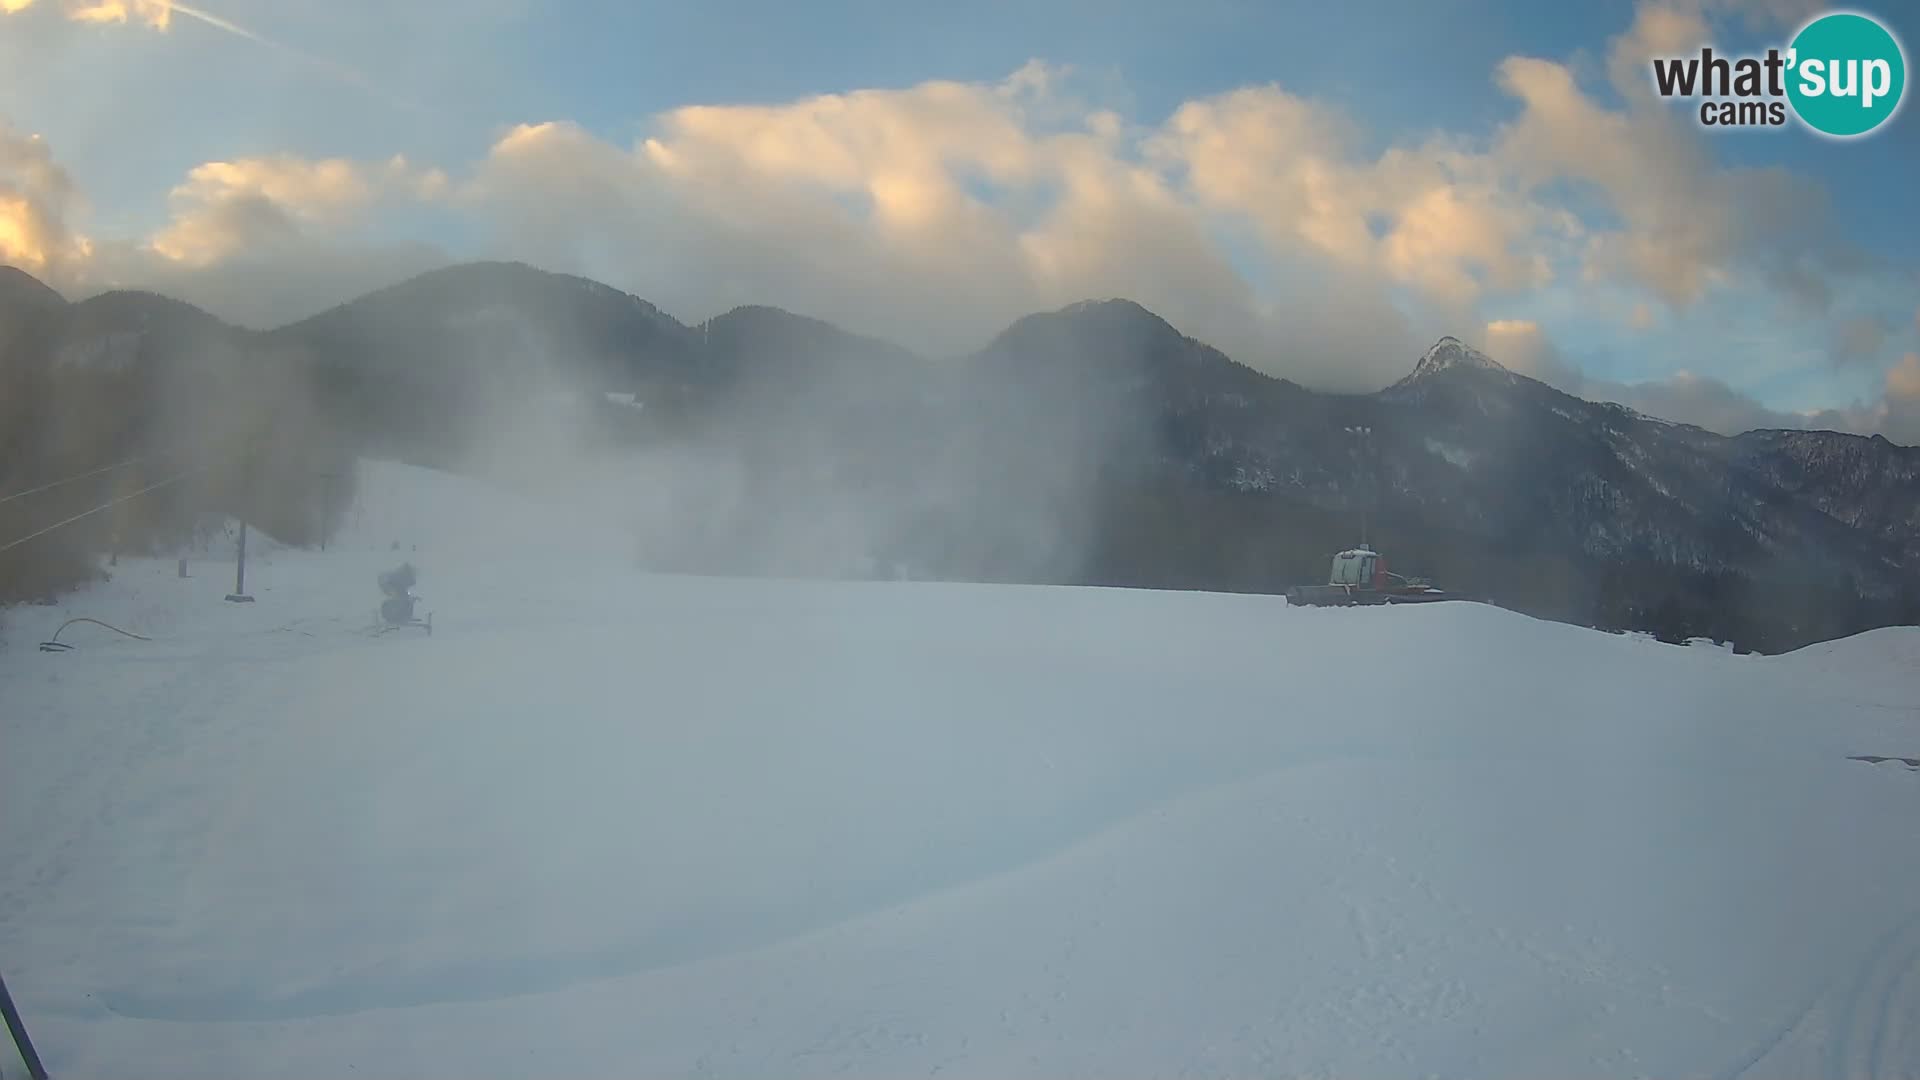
(1859, 1025)
(500, 978)
(1875, 1018)
(1392, 878)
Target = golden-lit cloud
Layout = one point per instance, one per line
(934, 213)
(1433, 216)
(1903, 381)
(1519, 345)
(1266, 222)
(226, 208)
(159, 14)
(17, 245)
(154, 13)
(1898, 414)
(36, 197)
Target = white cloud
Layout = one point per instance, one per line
(1434, 217)
(264, 241)
(229, 208)
(1696, 399)
(1261, 221)
(1658, 29)
(257, 241)
(1689, 226)
(1702, 400)
(868, 209)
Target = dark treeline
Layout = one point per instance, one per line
(1173, 537)
(215, 421)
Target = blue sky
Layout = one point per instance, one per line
(1368, 96)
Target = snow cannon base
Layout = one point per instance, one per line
(396, 611)
(410, 623)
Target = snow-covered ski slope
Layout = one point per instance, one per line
(609, 824)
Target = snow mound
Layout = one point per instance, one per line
(1889, 650)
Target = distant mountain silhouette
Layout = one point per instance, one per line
(1095, 443)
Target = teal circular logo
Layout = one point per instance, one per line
(1847, 74)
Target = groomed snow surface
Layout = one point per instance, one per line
(605, 824)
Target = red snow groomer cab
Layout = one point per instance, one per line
(1360, 576)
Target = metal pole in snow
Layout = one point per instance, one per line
(1362, 434)
(19, 1030)
(1373, 478)
(239, 595)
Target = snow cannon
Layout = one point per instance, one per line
(396, 611)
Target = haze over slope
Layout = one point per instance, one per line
(1095, 444)
(606, 822)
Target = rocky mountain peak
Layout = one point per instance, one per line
(1450, 352)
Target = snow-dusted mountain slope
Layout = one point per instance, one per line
(601, 823)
